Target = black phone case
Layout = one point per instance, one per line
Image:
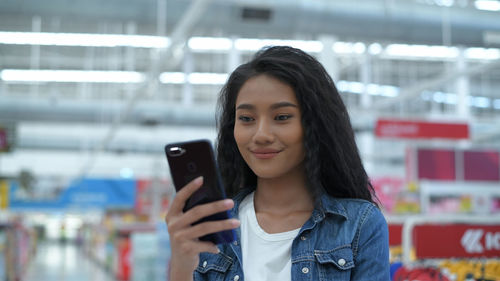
(189, 160)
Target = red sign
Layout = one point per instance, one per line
(386, 128)
(395, 233)
(482, 165)
(436, 164)
(456, 240)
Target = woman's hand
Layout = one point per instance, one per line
(184, 241)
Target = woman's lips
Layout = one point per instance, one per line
(265, 154)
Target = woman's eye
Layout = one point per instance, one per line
(245, 118)
(283, 117)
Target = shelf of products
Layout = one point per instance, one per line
(17, 246)
(128, 249)
(459, 197)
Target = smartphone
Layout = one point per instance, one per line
(189, 160)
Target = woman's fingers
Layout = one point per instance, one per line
(194, 248)
(176, 219)
(205, 228)
(208, 209)
(183, 194)
(184, 221)
(184, 237)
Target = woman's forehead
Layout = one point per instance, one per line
(264, 89)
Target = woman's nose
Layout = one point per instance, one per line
(264, 133)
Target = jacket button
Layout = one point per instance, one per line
(303, 238)
(341, 262)
(235, 243)
(305, 270)
(236, 278)
(205, 264)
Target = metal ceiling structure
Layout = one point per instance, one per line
(449, 69)
(404, 21)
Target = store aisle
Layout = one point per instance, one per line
(60, 262)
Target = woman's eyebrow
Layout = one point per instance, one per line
(283, 104)
(273, 106)
(245, 106)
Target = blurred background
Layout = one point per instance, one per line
(91, 91)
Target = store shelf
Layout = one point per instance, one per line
(482, 194)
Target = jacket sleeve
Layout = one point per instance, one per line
(371, 247)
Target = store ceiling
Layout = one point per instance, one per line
(403, 21)
(92, 107)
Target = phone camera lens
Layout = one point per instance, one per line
(176, 151)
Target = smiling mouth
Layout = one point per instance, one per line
(265, 155)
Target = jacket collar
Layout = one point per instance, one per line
(325, 205)
(328, 205)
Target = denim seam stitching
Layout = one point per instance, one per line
(332, 250)
(365, 214)
(304, 258)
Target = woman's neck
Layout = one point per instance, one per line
(283, 195)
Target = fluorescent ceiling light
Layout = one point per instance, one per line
(487, 5)
(207, 78)
(356, 87)
(256, 44)
(482, 102)
(18, 75)
(482, 53)
(451, 98)
(196, 78)
(444, 3)
(375, 48)
(389, 91)
(371, 89)
(359, 48)
(343, 47)
(342, 86)
(172, 78)
(403, 50)
(210, 43)
(439, 97)
(225, 44)
(447, 98)
(83, 39)
(349, 48)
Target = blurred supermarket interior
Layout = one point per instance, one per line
(91, 91)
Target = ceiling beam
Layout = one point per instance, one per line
(416, 90)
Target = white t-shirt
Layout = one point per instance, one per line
(265, 256)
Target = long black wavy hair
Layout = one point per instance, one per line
(332, 160)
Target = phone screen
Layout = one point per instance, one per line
(189, 160)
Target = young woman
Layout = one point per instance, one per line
(302, 201)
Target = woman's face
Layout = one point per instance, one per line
(268, 128)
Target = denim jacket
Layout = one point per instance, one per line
(344, 239)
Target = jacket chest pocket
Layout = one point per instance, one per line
(212, 267)
(335, 264)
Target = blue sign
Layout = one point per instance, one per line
(82, 194)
